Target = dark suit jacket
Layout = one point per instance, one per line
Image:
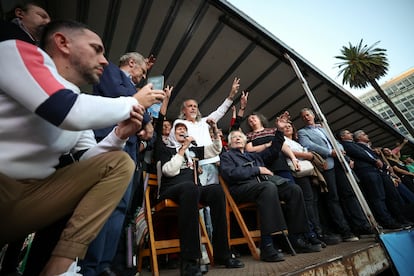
(359, 153)
(235, 166)
(9, 30)
(114, 83)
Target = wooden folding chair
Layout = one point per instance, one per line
(158, 210)
(249, 236)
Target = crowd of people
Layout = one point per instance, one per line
(72, 171)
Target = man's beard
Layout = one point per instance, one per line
(87, 74)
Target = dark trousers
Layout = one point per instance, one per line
(294, 208)
(393, 199)
(267, 197)
(373, 187)
(121, 261)
(310, 197)
(406, 194)
(188, 195)
(332, 202)
(351, 207)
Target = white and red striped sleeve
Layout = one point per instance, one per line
(29, 76)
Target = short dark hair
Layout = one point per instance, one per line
(24, 5)
(341, 133)
(58, 25)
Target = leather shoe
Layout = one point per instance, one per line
(190, 268)
(393, 226)
(230, 263)
(315, 241)
(107, 272)
(329, 239)
(269, 254)
(302, 246)
(366, 233)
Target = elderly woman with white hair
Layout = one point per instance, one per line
(180, 183)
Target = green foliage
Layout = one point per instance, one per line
(362, 65)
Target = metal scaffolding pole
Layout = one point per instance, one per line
(345, 165)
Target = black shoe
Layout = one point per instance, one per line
(406, 224)
(393, 226)
(108, 272)
(190, 268)
(302, 246)
(329, 239)
(269, 254)
(230, 263)
(315, 241)
(366, 233)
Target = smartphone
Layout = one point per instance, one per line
(157, 81)
(157, 84)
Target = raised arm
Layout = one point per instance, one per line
(397, 150)
(158, 124)
(243, 103)
(222, 109)
(215, 148)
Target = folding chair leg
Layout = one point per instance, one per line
(207, 243)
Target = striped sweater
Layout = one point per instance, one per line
(43, 116)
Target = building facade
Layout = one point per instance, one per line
(401, 92)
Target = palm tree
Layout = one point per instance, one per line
(362, 65)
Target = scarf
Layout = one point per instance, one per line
(173, 143)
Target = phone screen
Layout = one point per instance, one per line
(158, 84)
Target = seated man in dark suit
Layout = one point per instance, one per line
(376, 184)
(249, 181)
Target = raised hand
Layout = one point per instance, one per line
(150, 61)
(234, 88)
(243, 99)
(282, 120)
(168, 89)
(211, 123)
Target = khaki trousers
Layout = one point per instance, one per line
(89, 190)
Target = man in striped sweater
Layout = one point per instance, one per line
(43, 115)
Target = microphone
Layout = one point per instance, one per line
(192, 142)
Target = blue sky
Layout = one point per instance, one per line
(317, 29)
